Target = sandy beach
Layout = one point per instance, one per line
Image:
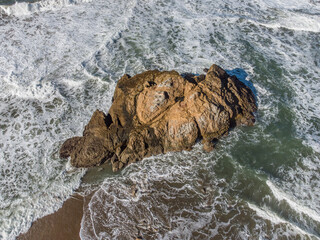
(62, 224)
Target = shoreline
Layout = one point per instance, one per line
(65, 223)
(53, 226)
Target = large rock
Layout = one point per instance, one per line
(157, 112)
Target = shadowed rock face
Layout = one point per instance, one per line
(156, 112)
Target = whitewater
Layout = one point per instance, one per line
(60, 60)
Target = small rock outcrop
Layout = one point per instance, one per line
(157, 112)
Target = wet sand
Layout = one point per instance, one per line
(62, 224)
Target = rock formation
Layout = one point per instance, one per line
(157, 112)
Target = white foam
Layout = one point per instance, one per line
(25, 8)
(297, 22)
(292, 4)
(266, 214)
(280, 196)
(126, 201)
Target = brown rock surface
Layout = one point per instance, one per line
(156, 112)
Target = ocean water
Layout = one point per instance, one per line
(60, 60)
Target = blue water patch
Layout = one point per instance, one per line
(241, 74)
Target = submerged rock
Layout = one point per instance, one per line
(157, 112)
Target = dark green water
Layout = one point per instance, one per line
(11, 2)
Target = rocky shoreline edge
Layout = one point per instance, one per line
(158, 112)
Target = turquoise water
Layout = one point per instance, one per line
(60, 60)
